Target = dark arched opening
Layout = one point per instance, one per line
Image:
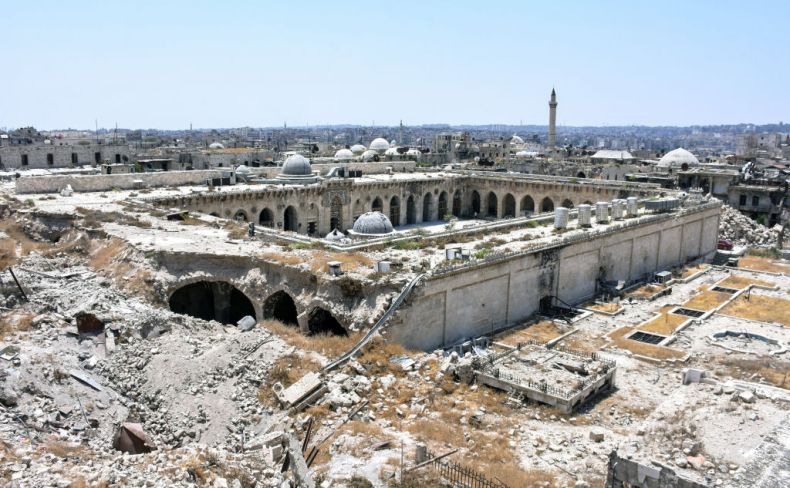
(290, 219)
(212, 300)
(266, 218)
(411, 211)
(442, 205)
(475, 203)
(336, 213)
(547, 205)
(240, 216)
(427, 203)
(280, 306)
(527, 206)
(322, 322)
(457, 203)
(492, 205)
(510, 206)
(581, 174)
(395, 211)
(377, 205)
(567, 203)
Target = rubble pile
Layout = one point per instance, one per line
(743, 231)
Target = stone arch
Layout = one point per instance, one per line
(492, 205)
(567, 203)
(527, 205)
(411, 211)
(240, 216)
(336, 213)
(427, 204)
(214, 214)
(581, 174)
(622, 194)
(509, 203)
(291, 219)
(442, 205)
(266, 218)
(377, 205)
(395, 210)
(321, 321)
(547, 205)
(280, 306)
(475, 203)
(457, 202)
(211, 300)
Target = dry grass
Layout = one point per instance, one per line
(17, 245)
(760, 307)
(235, 230)
(377, 354)
(602, 307)
(707, 300)
(16, 322)
(741, 282)
(8, 255)
(542, 331)
(665, 324)
(641, 348)
(645, 291)
(436, 432)
(583, 340)
(284, 257)
(692, 270)
(773, 370)
(350, 261)
(66, 450)
(764, 264)
(325, 344)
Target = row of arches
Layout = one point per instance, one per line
(266, 218)
(224, 303)
(488, 205)
(442, 203)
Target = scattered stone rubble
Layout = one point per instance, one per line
(744, 231)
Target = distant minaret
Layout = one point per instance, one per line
(553, 120)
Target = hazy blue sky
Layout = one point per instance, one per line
(233, 63)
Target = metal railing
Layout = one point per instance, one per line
(459, 476)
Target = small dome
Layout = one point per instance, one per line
(413, 152)
(516, 140)
(335, 235)
(344, 154)
(373, 223)
(243, 170)
(369, 155)
(677, 158)
(379, 145)
(296, 165)
(216, 145)
(358, 149)
(393, 143)
(393, 151)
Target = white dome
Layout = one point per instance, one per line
(393, 151)
(413, 152)
(677, 158)
(358, 149)
(335, 235)
(296, 165)
(379, 145)
(344, 154)
(242, 170)
(393, 143)
(373, 223)
(516, 140)
(216, 145)
(369, 155)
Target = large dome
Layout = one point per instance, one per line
(373, 223)
(216, 145)
(516, 140)
(344, 154)
(379, 145)
(369, 155)
(393, 151)
(677, 158)
(296, 165)
(358, 149)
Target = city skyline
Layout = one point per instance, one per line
(235, 65)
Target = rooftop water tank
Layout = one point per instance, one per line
(618, 208)
(560, 218)
(632, 205)
(585, 211)
(602, 212)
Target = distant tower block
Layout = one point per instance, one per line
(553, 120)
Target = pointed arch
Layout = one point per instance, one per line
(475, 203)
(427, 207)
(291, 219)
(266, 218)
(509, 203)
(567, 203)
(442, 205)
(321, 321)
(457, 202)
(547, 205)
(240, 216)
(527, 205)
(280, 306)
(395, 211)
(377, 205)
(492, 205)
(336, 213)
(411, 211)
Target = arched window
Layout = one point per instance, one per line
(509, 209)
(527, 205)
(492, 205)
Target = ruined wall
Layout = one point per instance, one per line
(65, 156)
(627, 472)
(478, 300)
(128, 181)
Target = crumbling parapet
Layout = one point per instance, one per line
(623, 472)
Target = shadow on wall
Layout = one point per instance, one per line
(212, 300)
